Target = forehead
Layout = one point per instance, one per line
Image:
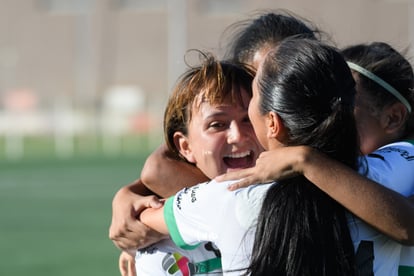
(226, 110)
(238, 96)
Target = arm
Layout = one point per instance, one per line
(126, 231)
(154, 218)
(384, 209)
(160, 173)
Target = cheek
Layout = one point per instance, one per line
(259, 130)
(252, 114)
(210, 159)
(262, 138)
(368, 132)
(210, 146)
(363, 127)
(248, 131)
(249, 111)
(362, 119)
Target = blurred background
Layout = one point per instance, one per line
(83, 84)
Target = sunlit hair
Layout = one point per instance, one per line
(214, 82)
(266, 30)
(300, 229)
(392, 67)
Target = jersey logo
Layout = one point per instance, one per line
(404, 154)
(177, 265)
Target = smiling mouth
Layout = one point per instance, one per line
(239, 160)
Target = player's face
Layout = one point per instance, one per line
(221, 138)
(256, 118)
(368, 122)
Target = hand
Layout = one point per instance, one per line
(270, 166)
(127, 264)
(126, 231)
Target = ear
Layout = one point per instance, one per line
(182, 144)
(394, 117)
(275, 127)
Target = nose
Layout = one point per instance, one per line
(234, 134)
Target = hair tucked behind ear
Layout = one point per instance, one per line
(302, 231)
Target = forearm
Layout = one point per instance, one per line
(137, 187)
(154, 218)
(384, 209)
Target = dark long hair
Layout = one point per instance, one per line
(301, 230)
(266, 30)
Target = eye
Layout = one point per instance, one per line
(217, 125)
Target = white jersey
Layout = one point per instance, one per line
(392, 166)
(166, 259)
(209, 212)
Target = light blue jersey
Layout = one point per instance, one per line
(393, 167)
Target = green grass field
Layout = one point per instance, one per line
(55, 214)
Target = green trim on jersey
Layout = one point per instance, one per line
(172, 225)
(208, 266)
(410, 141)
(405, 270)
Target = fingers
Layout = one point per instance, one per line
(242, 183)
(140, 238)
(132, 241)
(118, 229)
(123, 265)
(126, 264)
(125, 244)
(234, 175)
(126, 231)
(154, 202)
(148, 202)
(131, 268)
(246, 177)
(128, 236)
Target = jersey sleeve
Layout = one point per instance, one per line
(392, 166)
(197, 213)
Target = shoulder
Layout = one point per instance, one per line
(249, 202)
(395, 154)
(392, 166)
(201, 201)
(403, 151)
(204, 192)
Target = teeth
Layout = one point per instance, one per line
(238, 154)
